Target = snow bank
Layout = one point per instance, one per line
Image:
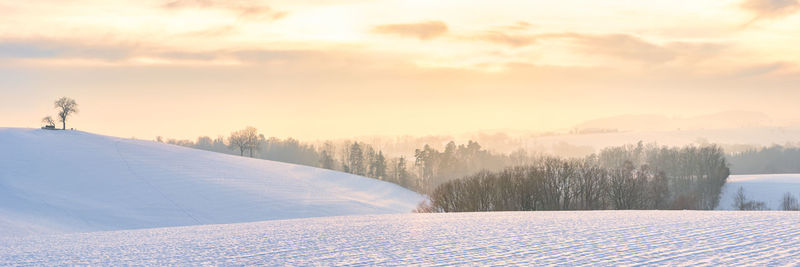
(67, 181)
(595, 238)
(768, 188)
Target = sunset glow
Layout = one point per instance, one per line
(319, 69)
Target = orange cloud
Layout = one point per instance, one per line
(424, 30)
(513, 40)
(517, 26)
(242, 8)
(770, 8)
(622, 46)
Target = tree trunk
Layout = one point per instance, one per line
(64, 125)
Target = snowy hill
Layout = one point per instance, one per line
(68, 181)
(767, 188)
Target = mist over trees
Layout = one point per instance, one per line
(284, 150)
(638, 176)
(628, 177)
(424, 167)
(467, 177)
(702, 170)
(245, 139)
(773, 159)
(427, 168)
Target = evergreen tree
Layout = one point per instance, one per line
(426, 162)
(326, 160)
(356, 160)
(378, 166)
(401, 175)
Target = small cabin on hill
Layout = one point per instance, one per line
(49, 127)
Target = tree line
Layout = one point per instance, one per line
(626, 177)
(772, 159)
(421, 171)
(424, 168)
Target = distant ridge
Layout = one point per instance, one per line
(652, 122)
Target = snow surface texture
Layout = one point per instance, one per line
(767, 188)
(730, 238)
(71, 181)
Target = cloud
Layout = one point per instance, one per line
(513, 40)
(517, 26)
(213, 31)
(513, 35)
(423, 30)
(38, 49)
(53, 50)
(242, 8)
(66, 52)
(695, 52)
(770, 8)
(621, 46)
(763, 69)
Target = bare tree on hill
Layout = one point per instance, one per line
(49, 121)
(245, 139)
(66, 106)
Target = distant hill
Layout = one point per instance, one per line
(651, 122)
(68, 181)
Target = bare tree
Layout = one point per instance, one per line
(789, 202)
(236, 141)
(245, 139)
(66, 106)
(49, 121)
(740, 200)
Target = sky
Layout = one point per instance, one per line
(334, 69)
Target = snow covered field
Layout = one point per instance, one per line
(74, 198)
(768, 188)
(72, 181)
(527, 238)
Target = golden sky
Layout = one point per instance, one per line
(331, 69)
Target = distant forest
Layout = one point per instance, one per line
(425, 168)
(766, 160)
(627, 177)
(422, 172)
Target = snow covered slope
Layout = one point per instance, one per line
(768, 188)
(67, 181)
(595, 238)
